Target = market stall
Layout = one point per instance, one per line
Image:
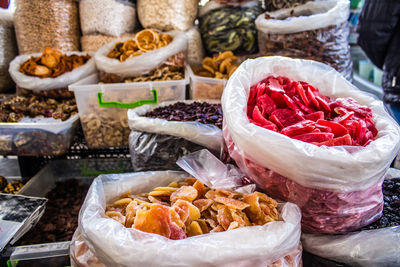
(193, 133)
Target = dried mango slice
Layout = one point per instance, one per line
(224, 217)
(130, 213)
(203, 204)
(201, 189)
(122, 202)
(115, 215)
(165, 188)
(204, 226)
(194, 229)
(176, 218)
(233, 225)
(217, 229)
(188, 193)
(231, 203)
(160, 193)
(156, 220)
(194, 212)
(254, 211)
(173, 184)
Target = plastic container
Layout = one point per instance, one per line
(204, 87)
(37, 137)
(103, 107)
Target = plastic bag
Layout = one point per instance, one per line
(41, 23)
(316, 30)
(8, 49)
(141, 64)
(206, 135)
(109, 17)
(116, 245)
(92, 42)
(229, 28)
(46, 84)
(337, 188)
(272, 5)
(195, 49)
(369, 248)
(166, 15)
(156, 152)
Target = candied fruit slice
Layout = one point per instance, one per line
(194, 229)
(188, 193)
(194, 212)
(130, 213)
(203, 204)
(156, 220)
(224, 217)
(201, 189)
(231, 203)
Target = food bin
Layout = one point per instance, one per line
(103, 107)
(204, 87)
(37, 137)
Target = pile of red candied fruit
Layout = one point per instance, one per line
(300, 111)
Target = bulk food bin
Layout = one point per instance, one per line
(37, 137)
(205, 87)
(103, 107)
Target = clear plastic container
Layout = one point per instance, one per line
(103, 107)
(37, 137)
(204, 87)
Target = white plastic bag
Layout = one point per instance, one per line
(371, 248)
(317, 30)
(141, 64)
(116, 245)
(338, 186)
(109, 17)
(206, 135)
(45, 84)
(8, 49)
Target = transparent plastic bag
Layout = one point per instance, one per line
(369, 248)
(109, 17)
(157, 152)
(115, 245)
(46, 84)
(206, 135)
(337, 188)
(8, 49)
(195, 51)
(229, 28)
(166, 15)
(41, 23)
(144, 63)
(316, 30)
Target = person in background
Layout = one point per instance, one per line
(379, 37)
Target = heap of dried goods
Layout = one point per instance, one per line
(52, 63)
(18, 107)
(189, 208)
(202, 112)
(9, 188)
(145, 41)
(220, 66)
(272, 5)
(300, 111)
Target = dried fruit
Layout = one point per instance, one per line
(52, 63)
(144, 41)
(300, 111)
(192, 209)
(220, 66)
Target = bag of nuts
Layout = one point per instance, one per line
(41, 23)
(166, 15)
(109, 17)
(93, 42)
(8, 49)
(316, 30)
(120, 69)
(195, 51)
(163, 133)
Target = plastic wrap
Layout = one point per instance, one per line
(41, 23)
(371, 248)
(46, 84)
(206, 135)
(93, 42)
(166, 15)
(8, 49)
(229, 28)
(195, 51)
(315, 30)
(109, 17)
(116, 245)
(272, 5)
(330, 184)
(156, 152)
(144, 63)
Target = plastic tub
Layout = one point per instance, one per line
(37, 137)
(204, 87)
(103, 107)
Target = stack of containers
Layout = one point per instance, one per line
(225, 25)
(103, 21)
